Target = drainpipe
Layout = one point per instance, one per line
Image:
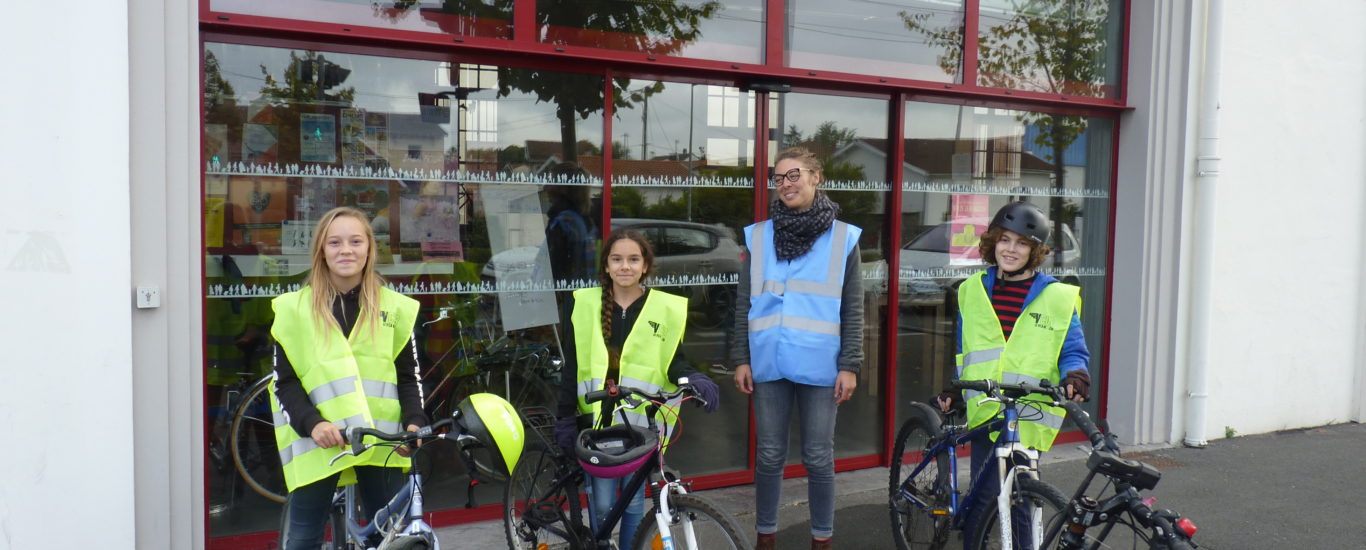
(1202, 251)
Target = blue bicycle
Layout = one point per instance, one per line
(923, 491)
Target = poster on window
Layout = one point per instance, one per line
(353, 137)
(255, 210)
(520, 265)
(260, 143)
(968, 220)
(317, 137)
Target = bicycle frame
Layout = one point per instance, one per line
(408, 518)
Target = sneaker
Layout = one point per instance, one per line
(766, 541)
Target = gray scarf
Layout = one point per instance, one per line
(794, 232)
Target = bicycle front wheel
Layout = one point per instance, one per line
(252, 442)
(1120, 532)
(1031, 497)
(922, 525)
(534, 510)
(701, 525)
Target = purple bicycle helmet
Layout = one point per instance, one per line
(615, 451)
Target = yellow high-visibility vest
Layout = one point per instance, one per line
(351, 381)
(1031, 354)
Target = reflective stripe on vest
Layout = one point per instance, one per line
(794, 314)
(1031, 354)
(645, 355)
(351, 381)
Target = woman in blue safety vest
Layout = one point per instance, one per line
(801, 316)
(344, 357)
(1016, 323)
(628, 333)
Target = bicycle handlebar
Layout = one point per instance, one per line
(615, 391)
(1059, 398)
(355, 435)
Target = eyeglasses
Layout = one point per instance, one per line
(791, 175)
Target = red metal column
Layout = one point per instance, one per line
(896, 152)
(775, 32)
(524, 22)
(971, 15)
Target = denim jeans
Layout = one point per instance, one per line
(602, 494)
(773, 403)
(307, 507)
(984, 466)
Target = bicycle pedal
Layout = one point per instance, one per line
(937, 511)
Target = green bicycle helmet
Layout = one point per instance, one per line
(498, 428)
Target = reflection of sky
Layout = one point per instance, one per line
(391, 85)
(871, 28)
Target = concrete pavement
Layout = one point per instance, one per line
(1297, 488)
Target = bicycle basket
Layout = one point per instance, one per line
(615, 451)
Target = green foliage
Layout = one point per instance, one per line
(293, 90)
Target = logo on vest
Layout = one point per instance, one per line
(385, 320)
(655, 326)
(1043, 321)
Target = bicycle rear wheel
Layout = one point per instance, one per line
(711, 527)
(921, 526)
(532, 511)
(1030, 495)
(252, 443)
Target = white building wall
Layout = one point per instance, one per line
(1291, 203)
(67, 472)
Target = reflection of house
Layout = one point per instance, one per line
(1005, 161)
(414, 144)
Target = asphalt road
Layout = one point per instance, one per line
(1300, 489)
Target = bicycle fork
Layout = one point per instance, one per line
(665, 516)
(1004, 510)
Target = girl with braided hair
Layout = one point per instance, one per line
(625, 332)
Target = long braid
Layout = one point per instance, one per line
(607, 301)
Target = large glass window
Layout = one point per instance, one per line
(849, 136)
(919, 39)
(683, 175)
(1067, 47)
(730, 30)
(483, 18)
(486, 203)
(961, 165)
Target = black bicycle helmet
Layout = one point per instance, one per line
(498, 427)
(615, 451)
(1024, 218)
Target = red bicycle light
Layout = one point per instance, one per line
(1186, 526)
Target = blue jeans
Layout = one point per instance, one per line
(603, 494)
(816, 418)
(984, 465)
(307, 507)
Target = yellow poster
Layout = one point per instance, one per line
(213, 221)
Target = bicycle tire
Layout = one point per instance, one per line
(530, 484)
(1123, 533)
(1030, 493)
(251, 440)
(913, 527)
(713, 527)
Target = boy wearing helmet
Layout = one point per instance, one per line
(1019, 323)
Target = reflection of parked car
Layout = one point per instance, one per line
(928, 270)
(684, 250)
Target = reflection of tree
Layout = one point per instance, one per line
(295, 93)
(217, 90)
(1050, 46)
(857, 207)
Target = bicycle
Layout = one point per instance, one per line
(1140, 525)
(542, 508)
(400, 524)
(926, 505)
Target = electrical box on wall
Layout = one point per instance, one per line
(148, 297)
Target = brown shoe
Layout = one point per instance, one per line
(766, 541)
(817, 544)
